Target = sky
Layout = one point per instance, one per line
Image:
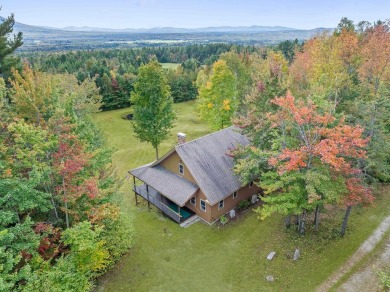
(305, 14)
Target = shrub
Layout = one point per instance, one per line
(223, 219)
(243, 204)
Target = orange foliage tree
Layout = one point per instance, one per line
(311, 161)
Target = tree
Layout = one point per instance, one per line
(153, 112)
(239, 64)
(372, 107)
(218, 97)
(8, 45)
(310, 161)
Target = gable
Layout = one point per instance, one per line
(211, 167)
(172, 161)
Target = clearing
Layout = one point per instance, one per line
(166, 257)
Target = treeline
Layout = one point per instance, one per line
(60, 225)
(114, 71)
(318, 120)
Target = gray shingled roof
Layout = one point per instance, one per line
(171, 185)
(208, 163)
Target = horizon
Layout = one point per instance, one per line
(146, 14)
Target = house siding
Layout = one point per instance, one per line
(204, 215)
(172, 163)
(229, 203)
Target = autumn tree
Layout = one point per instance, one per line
(218, 97)
(153, 105)
(310, 161)
(372, 107)
(239, 64)
(321, 69)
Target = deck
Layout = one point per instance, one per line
(154, 197)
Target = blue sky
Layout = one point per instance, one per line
(193, 13)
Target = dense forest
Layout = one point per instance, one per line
(114, 71)
(60, 222)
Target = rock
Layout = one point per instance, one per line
(254, 199)
(271, 255)
(297, 255)
(270, 278)
(232, 213)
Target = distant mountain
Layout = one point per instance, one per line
(38, 38)
(217, 29)
(253, 28)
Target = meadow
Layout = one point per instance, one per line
(166, 257)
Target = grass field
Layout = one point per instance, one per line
(170, 65)
(166, 257)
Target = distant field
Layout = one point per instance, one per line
(167, 257)
(170, 65)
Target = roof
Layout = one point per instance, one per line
(177, 189)
(208, 162)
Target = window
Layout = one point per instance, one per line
(181, 168)
(203, 205)
(220, 205)
(193, 201)
(234, 195)
(251, 184)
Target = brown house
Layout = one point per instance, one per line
(195, 178)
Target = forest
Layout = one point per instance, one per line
(317, 115)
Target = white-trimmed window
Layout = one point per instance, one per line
(181, 168)
(234, 195)
(203, 205)
(193, 201)
(220, 205)
(251, 184)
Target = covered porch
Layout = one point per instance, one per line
(169, 208)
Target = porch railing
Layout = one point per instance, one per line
(154, 197)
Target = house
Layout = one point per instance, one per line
(195, 177)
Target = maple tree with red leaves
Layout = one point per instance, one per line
(313, 162)
(69, 161)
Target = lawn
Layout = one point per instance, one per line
(170, 65)
(166, 257)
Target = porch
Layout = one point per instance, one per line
(169, 208)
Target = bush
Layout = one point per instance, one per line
(63, 276)
(223, 219)
(243, 205)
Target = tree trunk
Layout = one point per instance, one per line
(52, 202)
(66, 203)
(156, 153)
(288, 221)
(345, 221)
(302, 222)
(317, 218)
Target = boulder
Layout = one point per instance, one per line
(271, 255)
(297, 255)
(232, 213)
(270, 278)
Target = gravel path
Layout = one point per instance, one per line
(354, 283)
(367, 278)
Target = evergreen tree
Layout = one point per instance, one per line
(8, 45)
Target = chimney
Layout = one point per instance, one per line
(181, 138)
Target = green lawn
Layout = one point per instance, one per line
(166, 257)
(170, 65)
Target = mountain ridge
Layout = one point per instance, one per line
(248, 29)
